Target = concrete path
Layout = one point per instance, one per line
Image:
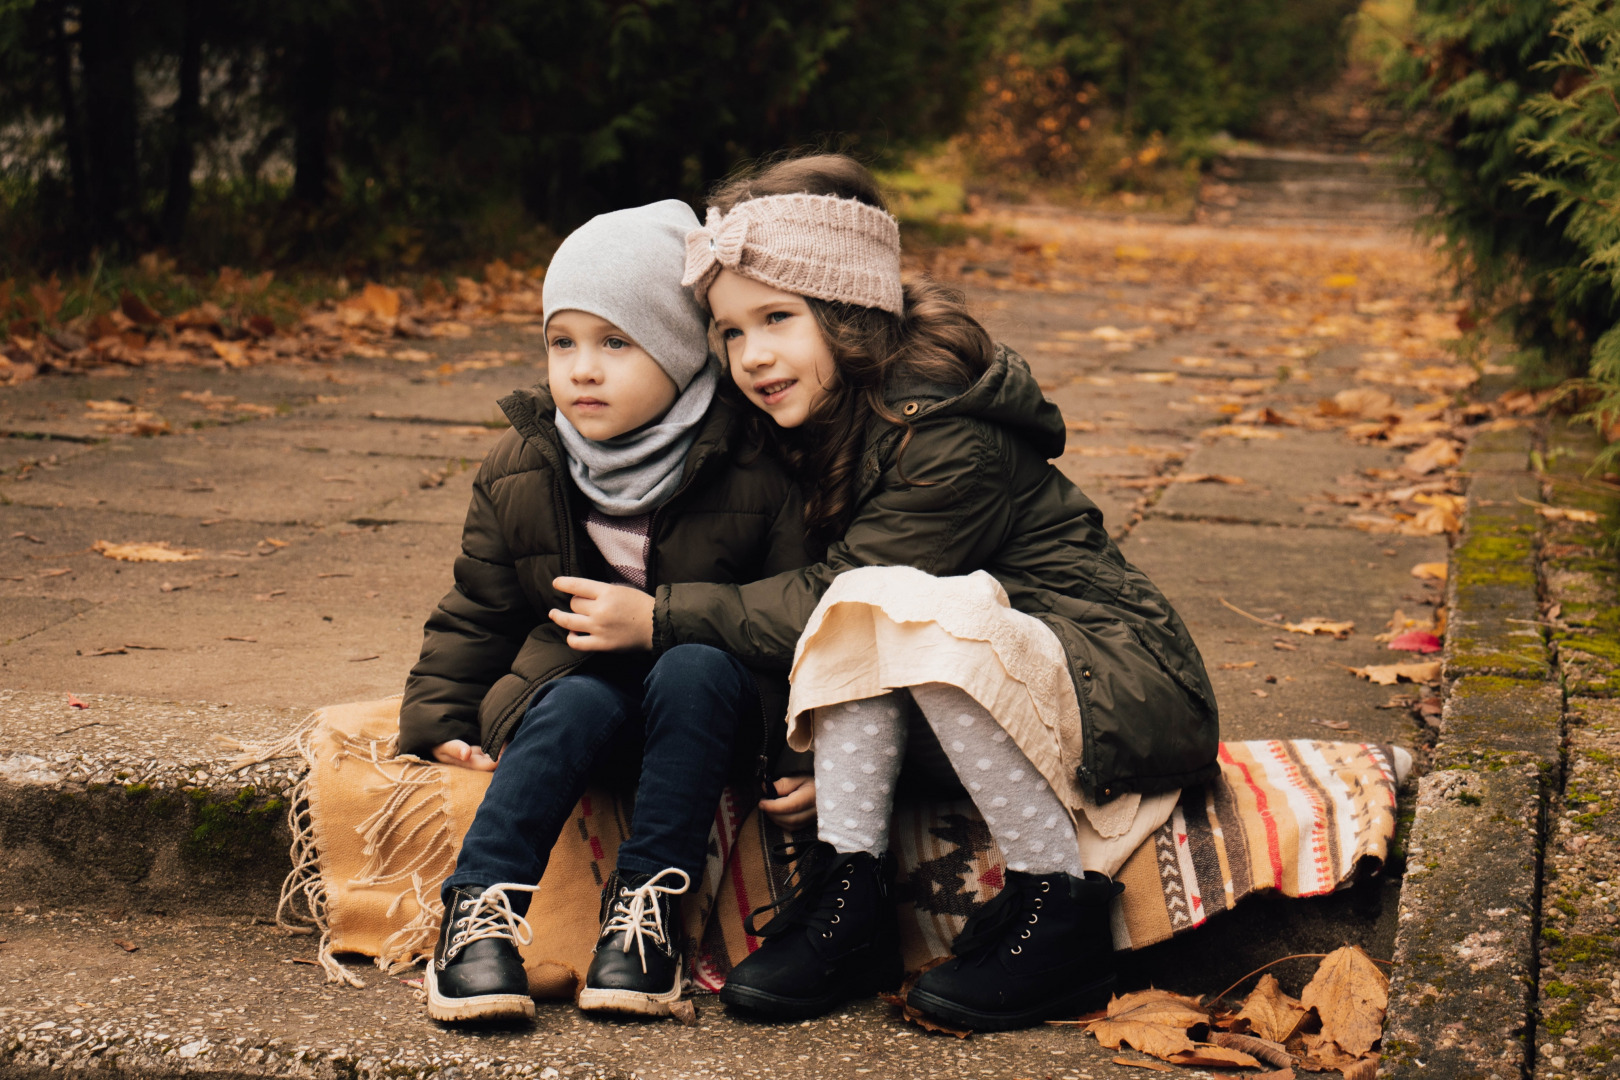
(326, 523)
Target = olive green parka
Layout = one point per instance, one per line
(490, 645)
(975, 489)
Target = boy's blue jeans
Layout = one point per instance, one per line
(686, 715)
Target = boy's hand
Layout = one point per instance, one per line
(605, 618)
(795, 802)
(457, 752)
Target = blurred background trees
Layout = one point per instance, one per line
(296, 131)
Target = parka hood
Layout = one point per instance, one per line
(1006, 395)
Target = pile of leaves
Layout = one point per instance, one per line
(1335, 1025)
(237, 323)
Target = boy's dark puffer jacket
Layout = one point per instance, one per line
(975, 490)
(490, 645)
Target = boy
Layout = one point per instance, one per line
(626, 468)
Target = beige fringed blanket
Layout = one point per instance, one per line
(375, 834)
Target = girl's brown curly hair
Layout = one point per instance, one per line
(934, 339)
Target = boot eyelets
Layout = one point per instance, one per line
(1016, 949)
(1038, 902)
(1046, 886)
(835, 920)
(1033, 918)
(1024, 936)
(846, 884)
(826, 935)
(840, 901)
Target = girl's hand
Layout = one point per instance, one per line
(795, 802)
(457, 752)
(605, 618)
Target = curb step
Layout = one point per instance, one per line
(139, 808)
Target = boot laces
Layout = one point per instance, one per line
(489, 915)
(812, 896)
(638, 913)
(994, 923)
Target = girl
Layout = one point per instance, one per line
(624, 464)
(965, 579)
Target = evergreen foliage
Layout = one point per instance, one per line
(419, 111)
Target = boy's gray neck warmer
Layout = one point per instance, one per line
(633, 473)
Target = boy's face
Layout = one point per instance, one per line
(602, 381)
(775, 348)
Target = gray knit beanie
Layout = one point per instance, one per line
(626, 267)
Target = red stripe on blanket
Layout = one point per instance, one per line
(1273, 844)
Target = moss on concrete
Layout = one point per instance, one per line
(231, 828)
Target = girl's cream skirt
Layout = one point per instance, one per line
(883, 628)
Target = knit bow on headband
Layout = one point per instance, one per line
(823, 246)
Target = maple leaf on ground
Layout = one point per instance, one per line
(1418, 641)
(1565, 513)
(1271, 1013)
(1430, 571)
(1152, 1021)
(1350, 995)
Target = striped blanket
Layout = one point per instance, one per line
(375, 834)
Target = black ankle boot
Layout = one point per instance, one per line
(637, 964)
(1042, 949)
(834, 937)
(477, 972)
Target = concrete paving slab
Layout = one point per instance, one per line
(325, 599)
(1286, 481)
(1295, 573)
(210, 997)
(1463, 983)
(205, 475)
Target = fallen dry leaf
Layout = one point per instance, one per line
(1390, 674)
(1418, 641)
(127, 946)
(1365, 1069)
(1362, 401)
(1240, 431)
(1239, 667)
(75, 703)
(1278, 643)
(1336, 725)
(1154, 1065)
(1430, 571)
(232, 637)
(1321, 626)
(1271, 1013)
(1436, 454)
(160, 551)
(1431, 521)
(1567, 513)
(1206, 1054)
(57, 572)
(1349, 994)
(1206, 478)
(1152, 1021)
(684, 1012)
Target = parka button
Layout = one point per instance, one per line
(1085, 673)
(911, 408)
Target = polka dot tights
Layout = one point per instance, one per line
(859, 745)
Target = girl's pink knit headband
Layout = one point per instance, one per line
(813, 245)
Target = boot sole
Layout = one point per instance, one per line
(961, 1016)
(632, 1002)
(776, 1007)
(481, 1007)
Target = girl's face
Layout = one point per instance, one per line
(773, 345)
(604, 383)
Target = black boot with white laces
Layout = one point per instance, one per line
(637, 964)
(476, 972)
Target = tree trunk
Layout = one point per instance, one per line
(106, 49)
(312, 118)
(78, 175)
(187, 107)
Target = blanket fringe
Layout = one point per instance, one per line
(415, 941)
